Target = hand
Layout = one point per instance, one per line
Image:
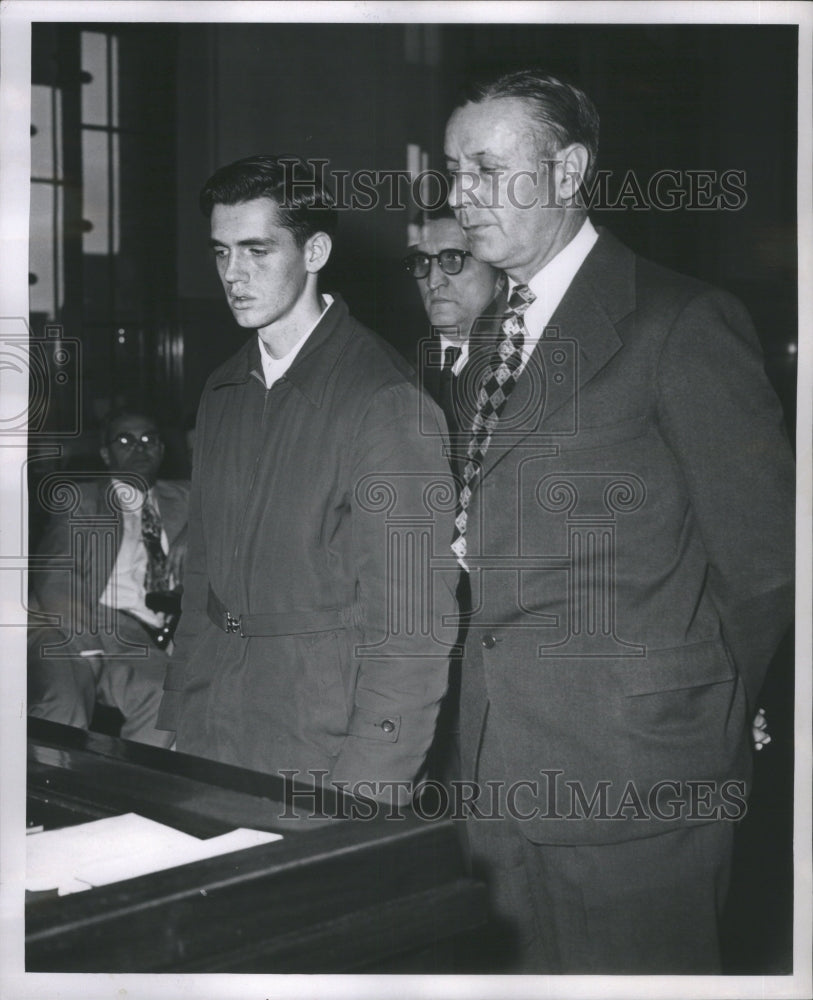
(176, 558)
(759, 730)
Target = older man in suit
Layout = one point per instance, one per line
(106, 567)
(626, 518)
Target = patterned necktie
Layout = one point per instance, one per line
(157, 575)
(497, 385)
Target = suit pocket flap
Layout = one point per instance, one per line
(374, 725)
(673, 669)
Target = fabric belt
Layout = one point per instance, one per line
(277, 623)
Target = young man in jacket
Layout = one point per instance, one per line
(311, 641)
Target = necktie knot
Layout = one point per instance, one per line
(450, 356)
(520, 299)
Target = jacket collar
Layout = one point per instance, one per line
(311, 368)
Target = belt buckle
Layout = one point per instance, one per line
(232, 623)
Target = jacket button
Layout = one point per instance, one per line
(388, 726)
(489, 640)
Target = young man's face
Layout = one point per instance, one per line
(262, 269)
(453, 301)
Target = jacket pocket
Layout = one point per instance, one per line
(371, 725)
(677, 668)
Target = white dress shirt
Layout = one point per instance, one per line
(125, 588)
(275, 368)
(550, 284)
(463, 357)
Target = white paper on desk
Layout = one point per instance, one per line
(120, 847)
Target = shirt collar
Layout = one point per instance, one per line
(550, 284)
(461, 359)
(554, 277)
(310, 368)
(275, 368)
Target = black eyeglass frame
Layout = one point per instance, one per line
(128, 440)
(424, 260)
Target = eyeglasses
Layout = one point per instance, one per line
(450, 261)
(149, 439)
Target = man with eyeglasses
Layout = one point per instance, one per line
(456, 289)
(115, 605)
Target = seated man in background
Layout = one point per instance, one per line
(108, 645)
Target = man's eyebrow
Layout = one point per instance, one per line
(251, 241)
(479, 153)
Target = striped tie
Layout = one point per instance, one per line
(157, 576)
(498, 384)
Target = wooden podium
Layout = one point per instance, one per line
(336, 894)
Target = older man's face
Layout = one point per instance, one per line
(453, 301)
(503, 190)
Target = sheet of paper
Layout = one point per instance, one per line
(120, 847)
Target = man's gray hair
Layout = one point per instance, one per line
(563, 113)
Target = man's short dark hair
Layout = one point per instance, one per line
(305, 205)
(562, 112)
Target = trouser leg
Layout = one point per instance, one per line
(134, 684)
(126, 673)
(646, 906)
(60, 689)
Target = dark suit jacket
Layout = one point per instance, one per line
(71, 567)
(631, 547)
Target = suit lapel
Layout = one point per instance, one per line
(600, 295)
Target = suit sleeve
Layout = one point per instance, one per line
(722, 420)
(61, 573)
(402, 516)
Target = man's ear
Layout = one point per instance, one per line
(317, 252)
(573, 163)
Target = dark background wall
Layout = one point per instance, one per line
(681, 98)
